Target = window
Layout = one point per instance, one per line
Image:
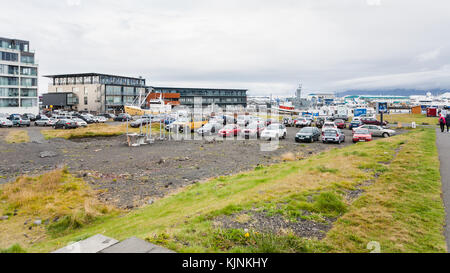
(28, 92)
(27, 59)
(28, 82)
(9, 92)
(11, 57)
(28, 71)
(9, 102)
(28, 102)
(9, 81)
(85, 100)
(9, 69)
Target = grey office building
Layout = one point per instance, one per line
(220, 97)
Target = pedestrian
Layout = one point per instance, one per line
(447, 121)
(442, 122)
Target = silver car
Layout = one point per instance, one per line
(378, 131)
(44, 121)
(333, 135)
(4, 122)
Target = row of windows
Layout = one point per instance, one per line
(14, 92)
(14, 70)
(119, 90)
(15, 45)
(27, 59)
(215, 100)
(8, 56)
(15, 81)
(119, 100)
(15, 102)
(237, 93)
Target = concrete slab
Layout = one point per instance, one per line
(135, 245)
(93, 244)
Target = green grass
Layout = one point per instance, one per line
(409, 118)
(17, 136)
(402, 210)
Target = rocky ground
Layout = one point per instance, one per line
(132, 177)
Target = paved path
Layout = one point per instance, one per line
(443, 144)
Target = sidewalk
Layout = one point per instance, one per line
(443, 145)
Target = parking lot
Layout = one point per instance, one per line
(134, 176)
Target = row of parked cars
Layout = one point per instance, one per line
(57, 119)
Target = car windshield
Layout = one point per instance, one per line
(208, 126)
(229, 127)
(330, 132)
(362, 131)
(339, 121)
(273, 127)
(306, 130)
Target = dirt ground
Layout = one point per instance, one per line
(132, 177)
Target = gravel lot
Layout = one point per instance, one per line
(135, 176)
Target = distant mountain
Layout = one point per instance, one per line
(392, 92)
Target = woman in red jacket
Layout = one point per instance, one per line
(442, 123)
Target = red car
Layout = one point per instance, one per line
(361, 135)
(340, 123)
(373, 121)
(230, 130)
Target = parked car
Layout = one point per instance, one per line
(342, 116)
(87, 118)
(329, 125)
(44, 121)
(142, 121)
(270, 121)
(377, 131)
(230, 130)
(333, 135)
(373, 121)
(31, 117)
(4, 122)
(355, 124)
(101, 119)
(274, 131)
(253, 130)
(243, 121)
(288, 121)
(303, 122)
(108, 116)
(319, 122)
(340, 124)
(123, 117)
(361, 135)
(19, 121)
(211, 128)
(308, 134)
(80, 122)
(65, 124)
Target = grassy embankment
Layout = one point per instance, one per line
(409, 118)
(53, 196)
(17, 136)
(401, 208)
(94, 130)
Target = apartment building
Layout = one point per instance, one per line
(18, 78)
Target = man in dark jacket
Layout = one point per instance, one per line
(447, 121)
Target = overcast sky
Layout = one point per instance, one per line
(268, 47)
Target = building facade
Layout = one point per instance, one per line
(18, 78)
(93, 92)
(219, 97)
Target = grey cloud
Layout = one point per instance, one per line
(265, 46)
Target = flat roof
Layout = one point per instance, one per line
(88, 75)
(192, 88)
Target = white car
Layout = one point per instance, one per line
(100, 119)
(274, 131)
(329, 125)
(303, 122)
(4, 122)
(80, 122)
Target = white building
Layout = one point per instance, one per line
(18, 78)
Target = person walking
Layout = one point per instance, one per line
(447, 121)
(442, 122)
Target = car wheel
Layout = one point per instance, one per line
(385, 135)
